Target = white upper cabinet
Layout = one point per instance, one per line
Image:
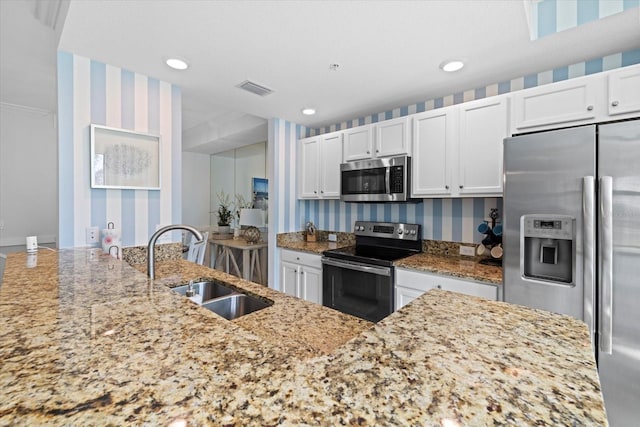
(483, 126)
(308, 168)
(319, 166)
(392, 137)
(562, 103)
(457, 150)
(433, 140)
(383, 139)
(624, 90)
(358, 143)
(610, 95)
(330, 170)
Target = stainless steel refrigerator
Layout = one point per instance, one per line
(571, 242)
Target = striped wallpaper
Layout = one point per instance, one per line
(552, 16)
(452, 220)
(580, 69)
(442, 219)
(93, 92)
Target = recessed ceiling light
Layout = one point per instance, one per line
(450, 66)
(308, 111)
(177, 64)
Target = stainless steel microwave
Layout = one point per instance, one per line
(376, 180)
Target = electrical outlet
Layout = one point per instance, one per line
(467, 250)
(332, 237)
(93, 235)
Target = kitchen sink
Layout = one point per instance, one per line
(208, 289)
(235, 305)
(223, 300)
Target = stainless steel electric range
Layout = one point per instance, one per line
(360, 280)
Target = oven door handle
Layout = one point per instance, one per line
(379, 271)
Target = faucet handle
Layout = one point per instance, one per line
(190, 292)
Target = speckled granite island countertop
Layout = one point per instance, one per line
(87, 342)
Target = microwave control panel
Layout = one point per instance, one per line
(396, 178)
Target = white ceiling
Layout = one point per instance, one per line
(388, 51)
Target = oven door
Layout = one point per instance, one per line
(362, 290)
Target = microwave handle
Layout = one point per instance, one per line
(387, 180)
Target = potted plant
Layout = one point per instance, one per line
(224, 213)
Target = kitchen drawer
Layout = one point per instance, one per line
(421, 281)
(413, 279)
(302, 258)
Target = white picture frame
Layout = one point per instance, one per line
(124, 159)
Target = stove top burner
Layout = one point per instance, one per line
(371, 252)
(380, 243)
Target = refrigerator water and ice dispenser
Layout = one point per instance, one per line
(548, 245)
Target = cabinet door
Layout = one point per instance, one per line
(308, 168)
(289, 278)
(624, 90)
(311, 284)
(563, 102)
(357, 143)
(392, 137)
(468, 288)
(433, 136)
(405, 295)
(330, 170)
(483, 127)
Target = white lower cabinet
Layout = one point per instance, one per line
(410, 284)
(301, 275)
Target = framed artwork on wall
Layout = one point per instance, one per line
(124, 159)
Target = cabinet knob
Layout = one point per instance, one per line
(321, 191)
(589, 107)
(446, 187)
(297, 258)
(301, 272)
(377, 151)
(615, 103)
(439, 286)
(461, 186)
(315, 191)
(368, 152)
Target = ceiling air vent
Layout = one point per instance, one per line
(252, 87)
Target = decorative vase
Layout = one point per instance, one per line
(224, 229)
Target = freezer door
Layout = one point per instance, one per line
(550, 174)
(619, 270)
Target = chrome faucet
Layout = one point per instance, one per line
(152, 244)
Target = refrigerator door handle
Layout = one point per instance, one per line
(588, 260)
(606, 264)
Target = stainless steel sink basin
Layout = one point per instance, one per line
(224, 300)
(208, 289)
(235, 305)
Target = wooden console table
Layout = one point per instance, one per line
(254, 259)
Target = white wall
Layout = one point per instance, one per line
(231, 172)
(28, 176)
(250, 163)
(196, 189)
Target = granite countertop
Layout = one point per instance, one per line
(311, 247)
(86, 341)
(453, 266)
(448, 265)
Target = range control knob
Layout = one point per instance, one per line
(413, 232)
(400, 231)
